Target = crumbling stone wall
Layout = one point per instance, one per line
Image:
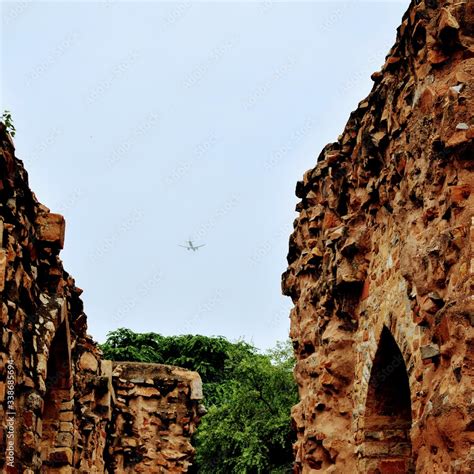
(58, 409)
(43, 336)
(154, 418)
(380, 265)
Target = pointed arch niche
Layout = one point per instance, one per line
(57, 410)
(387, 419)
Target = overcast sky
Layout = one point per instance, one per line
(146, 124)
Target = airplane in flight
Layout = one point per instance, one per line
(191, 246)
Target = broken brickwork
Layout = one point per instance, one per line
(58, 409)
(153, 419)
(381, 265)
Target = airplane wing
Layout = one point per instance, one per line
(184, 246)
(198, 246)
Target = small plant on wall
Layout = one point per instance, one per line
(8, 122)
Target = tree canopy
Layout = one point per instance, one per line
(248, 396)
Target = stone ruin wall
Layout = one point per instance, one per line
(73, 411)
(381, 266)
(155, 415)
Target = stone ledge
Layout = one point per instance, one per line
(51, 229)
(148, 373)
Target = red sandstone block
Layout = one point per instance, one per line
(442, 331)
(28, 419)
(459, 193)
(50, 229)
(3, 267)
(365, 290)
(396, 466)
(427, 99)
(28, 439)
(330, 220)
(60, 456)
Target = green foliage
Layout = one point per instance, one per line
(248, 430)
(8, 121)
(248, 396)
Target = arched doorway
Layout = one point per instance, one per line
(57, 424)
(387, 420)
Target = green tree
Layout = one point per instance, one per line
(248, 396)
(249, 430)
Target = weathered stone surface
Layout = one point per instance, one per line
(380, 267)
(88, 362)
(3, 268)
(429, 351)
(162, 425)
(60, 456)
(51, 229)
